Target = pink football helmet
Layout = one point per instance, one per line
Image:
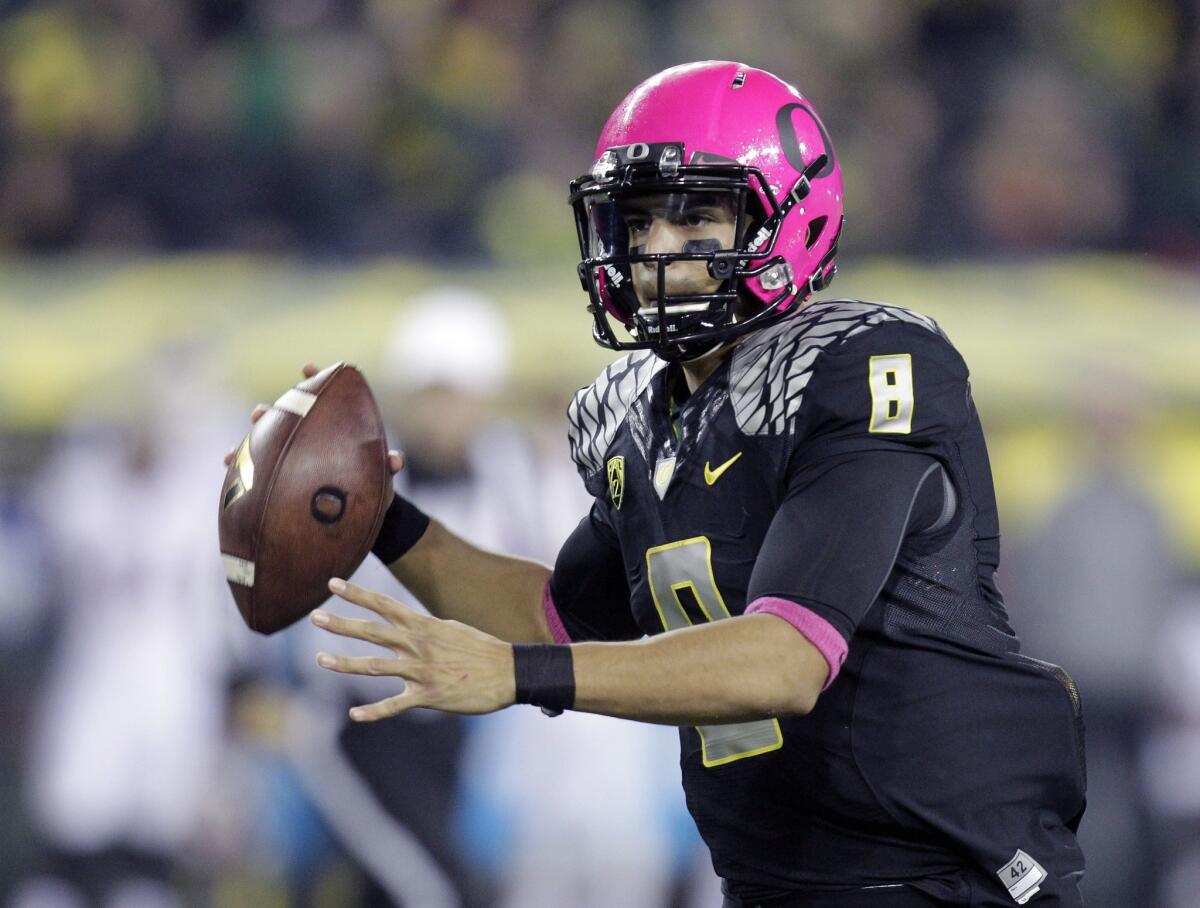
(699, 130)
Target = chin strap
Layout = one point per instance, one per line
(803, 186)
(797, 194)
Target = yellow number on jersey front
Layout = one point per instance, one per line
(687, 564)
(891, 381)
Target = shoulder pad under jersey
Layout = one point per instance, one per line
(597, 411)
(771, 369)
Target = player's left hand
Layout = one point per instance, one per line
(445, 665)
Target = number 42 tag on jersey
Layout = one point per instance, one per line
(1022, 876)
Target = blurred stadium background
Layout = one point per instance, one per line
(196, 196)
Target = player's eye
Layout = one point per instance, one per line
(637, 222)
(697, 219)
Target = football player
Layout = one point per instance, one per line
(792, 547)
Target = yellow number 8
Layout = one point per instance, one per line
(891, 381)
(687, 565)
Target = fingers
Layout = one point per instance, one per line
(308, 370)
(445, 665)
(259, 412)
(374, 666)
(371, 631)
(385, 709)
(383, 606)
(395, 461)
(229, 455)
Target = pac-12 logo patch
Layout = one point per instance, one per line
(616, 480)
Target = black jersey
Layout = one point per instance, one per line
(939, 756)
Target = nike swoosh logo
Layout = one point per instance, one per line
(711, 475)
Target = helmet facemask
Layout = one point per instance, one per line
(724, 220)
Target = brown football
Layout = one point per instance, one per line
(304, 497)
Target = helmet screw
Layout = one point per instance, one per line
(721, 265)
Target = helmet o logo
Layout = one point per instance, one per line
(791, 144)
(637, 152)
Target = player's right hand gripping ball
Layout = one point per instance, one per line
(304, 497)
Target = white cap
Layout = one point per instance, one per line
(453, 337)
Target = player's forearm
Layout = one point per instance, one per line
(745, 668)
(499, 594)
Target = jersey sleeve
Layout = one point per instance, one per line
(898, 386)
(835, 538)
(587, 597)
(876, 405)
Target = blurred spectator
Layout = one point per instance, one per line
(580, 811)
(262, 841)
(130, 722)
(388, 789)
(1092, 586)
(1171, 755)
(1071, 192)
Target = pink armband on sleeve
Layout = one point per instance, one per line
(815, 629)
(557, 631)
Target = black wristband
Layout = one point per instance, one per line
(545, 674)
(403, 524)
